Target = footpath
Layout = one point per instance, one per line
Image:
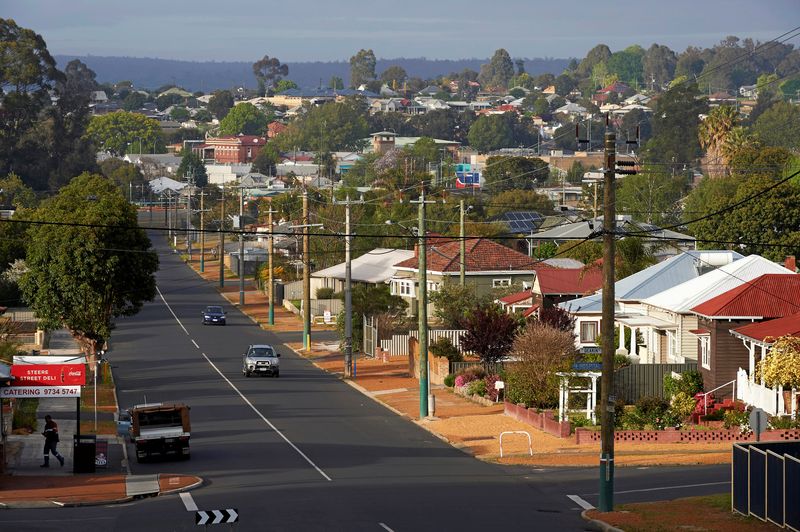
(472, 427)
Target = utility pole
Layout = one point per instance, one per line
(241, 245)
(175, 221)
(426, 404)
(270, 245)
(607, 400)
(348, 291)
(306, 276)
(202, 235)
(222, 240)
(188, 216)
(462, 273)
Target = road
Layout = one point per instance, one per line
(308, 452)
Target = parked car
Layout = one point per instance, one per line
(261, 359)
(214, 315)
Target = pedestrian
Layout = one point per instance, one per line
(50, 441)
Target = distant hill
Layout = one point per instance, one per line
(150, 73)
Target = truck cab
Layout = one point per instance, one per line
(157, 428)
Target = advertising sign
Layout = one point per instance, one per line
(38, 392)
(48, 374)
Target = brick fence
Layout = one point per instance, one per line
(543, 420)
(685, 436)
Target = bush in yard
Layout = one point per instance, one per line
(737, 418)
(450, 380)
(474, 373)
(689, 383)
(541, 351)
(783, 423)
(491, 392)
(781, 366)
(443, 347)
(325, 293)
(650, 413)
(681, 407)
(460, 381)
(25, 414)
(477, 388)
(490, 333)
(557, 318)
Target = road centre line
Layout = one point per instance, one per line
(385, 527)
(188, 501)
(246, 400)
(195, 344)
(580, 501)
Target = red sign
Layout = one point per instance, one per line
(48, 374)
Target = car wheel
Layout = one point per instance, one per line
(277, 374)
(247, 374)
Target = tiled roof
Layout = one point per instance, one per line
(768, 296)
(786, 326)
(577, 281)
(481, 256)
(529, 311)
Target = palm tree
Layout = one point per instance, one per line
(712, 133)
(737, 140)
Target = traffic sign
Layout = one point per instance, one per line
(216, 517)
(758, 422)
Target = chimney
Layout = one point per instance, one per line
(790, 263)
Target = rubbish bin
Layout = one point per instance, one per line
(83, 453)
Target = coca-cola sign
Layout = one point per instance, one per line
(48, 375)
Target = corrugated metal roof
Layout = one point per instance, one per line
(786, 326)
(572, 281)
(685, 296)
(375, 266)
(768, 296)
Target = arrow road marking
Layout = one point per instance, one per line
(217, 517)
(202, 518)
(233, 515)
(247, 401)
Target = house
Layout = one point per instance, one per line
(557, 285)
(720, 355)
(488, 265)
(758, 338)
(233, 149)
(523, 302)
(632, 290)
(164, 184)
(375, 267)
(748, 91)
(572, 109)
(671, 310)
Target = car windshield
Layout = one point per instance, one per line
(214, 310)
(261, 352)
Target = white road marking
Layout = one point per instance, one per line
(385, 527)
(675, 487)
(188, 502)
(195, 344)
(247, 401)
(581, 502)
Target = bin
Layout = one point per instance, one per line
(83, 454)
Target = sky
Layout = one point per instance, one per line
(317, 30)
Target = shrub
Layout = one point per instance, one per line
(715, 415)
(689, 383)
(25, 414)
(443, 347)
(477, 388)
(474, 373)
(681, 406)
(450, 380)
(459, 381)
(736, 418)
(579, 420)
(783, 423)
(491, 393)
(649, 413)
(324, 293)
(542, 351)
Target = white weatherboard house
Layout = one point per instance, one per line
(630, 291)
(670, 311)
(374, 267)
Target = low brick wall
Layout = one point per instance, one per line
(583, 435)
(544, 420)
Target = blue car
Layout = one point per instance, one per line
(213, 315)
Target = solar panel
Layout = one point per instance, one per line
(522, 221)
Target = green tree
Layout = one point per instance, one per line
(265, 161)
(124, 174)
(14, 193)
(336, 83)
(627, 64)
(179, 114)
(336, 126)
(80, 277)
(169, 99)
(394, 76)
(490, 132)
(268, 72)
(370, 301)
(244, 118)
(490, 333)
(362, 68)
(658, 65)
(513, 173)
(202, 115)
(498, 71)
(192, 169)
(133, 101)
(285, 85)
(652, 195)
(599, 54)
(675, 124)
(115, 132)
(713, 133)
(452, 303)
(779, 126)
(220, 104)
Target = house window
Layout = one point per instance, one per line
(433, 286)
(705, 352)
(498, 283)
(403, 288)
(589, 331)
(672, 345)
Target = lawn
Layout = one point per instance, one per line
(711, 512)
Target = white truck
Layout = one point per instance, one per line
(157, 428)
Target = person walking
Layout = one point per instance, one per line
(50, 441)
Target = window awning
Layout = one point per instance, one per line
(646, 321)
(700, 332)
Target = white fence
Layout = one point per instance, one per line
(768, 399)
(397, 345)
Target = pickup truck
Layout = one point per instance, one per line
(157, 428)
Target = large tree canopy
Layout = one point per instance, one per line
(362, 68)
(331, 127)
(244, 118)
(83, 276)
(514, 173)
(122, 132)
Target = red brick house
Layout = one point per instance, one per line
(234, 149)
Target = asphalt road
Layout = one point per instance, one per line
(308, 452)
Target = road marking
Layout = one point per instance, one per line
(675, 487)
(247, 401)
(188, 502)
(385, 527)
(195, 344)
(581, 502)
